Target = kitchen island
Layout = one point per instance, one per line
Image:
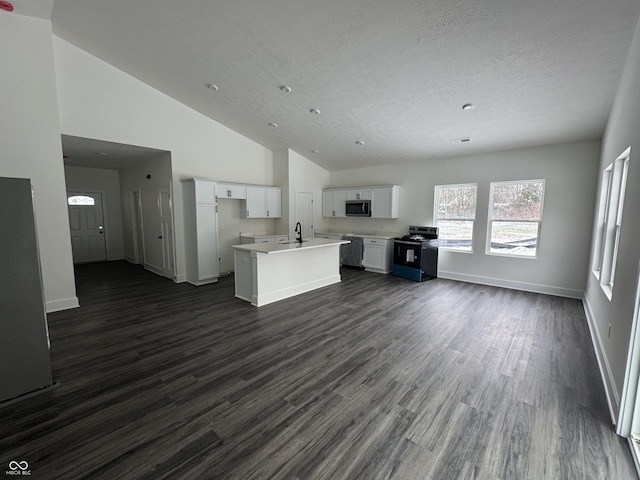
(268, 272)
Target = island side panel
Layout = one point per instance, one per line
(283, 275)
(244, 274)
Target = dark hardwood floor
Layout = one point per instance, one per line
(374, 378)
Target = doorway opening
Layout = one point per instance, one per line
(134, 187)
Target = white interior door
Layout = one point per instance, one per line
(166, 230)
(86, 221)
(303, 209)
(137, 227)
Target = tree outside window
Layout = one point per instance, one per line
(455, 213)
(515, 217)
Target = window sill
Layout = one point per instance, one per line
(507, 255)
(445, 249)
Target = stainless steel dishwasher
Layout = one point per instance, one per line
(351, 253)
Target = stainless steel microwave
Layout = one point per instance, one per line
(358, 208)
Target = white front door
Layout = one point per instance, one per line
(166, 231)
(86, 221)
(303, 209)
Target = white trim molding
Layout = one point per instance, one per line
(611, 390)
(62, 304)
(527, 287)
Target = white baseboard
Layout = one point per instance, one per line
(527, 287)
(130, 259)
(611, 391)
(153, 268)
(203, 282)
(181, 278)
(62, 304)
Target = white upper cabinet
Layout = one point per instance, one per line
(333, 203)
(201, 231)
(361, 194)
(263, 202)
(232, 191)
(204, 191)
(274, 202)
(384, 202)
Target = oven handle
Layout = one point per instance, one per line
(406, 242)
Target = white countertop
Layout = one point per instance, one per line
(381, 235)
(287, 247)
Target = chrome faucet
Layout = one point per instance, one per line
(299, 232)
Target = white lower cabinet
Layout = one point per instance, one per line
(378, 254)
(245, 239)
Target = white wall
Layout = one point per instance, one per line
(30, 145)
(570, 171)
(230, 223)
(623, 130)
(106, 182)
(306, 176)
(101, 102)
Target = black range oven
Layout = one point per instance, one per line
(415, 256)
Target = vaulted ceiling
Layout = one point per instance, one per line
(393, 76)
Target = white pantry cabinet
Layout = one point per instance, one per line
(263, 202)
(201, 231)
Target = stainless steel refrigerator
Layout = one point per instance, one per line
(25, 366)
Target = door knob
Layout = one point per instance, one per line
(159, 236)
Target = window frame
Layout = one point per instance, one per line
(611, 205)
(82, 200)
(491, 219)
(437, 219)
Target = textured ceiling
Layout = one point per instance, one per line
(391, 74)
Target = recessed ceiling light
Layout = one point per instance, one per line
(315, 151)
(102, 153)
(285, 88)
(359, 142)
(468, 106)
(213, 87)
(460, 140)
(315, 111)
(273, 124)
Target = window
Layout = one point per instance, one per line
(515, 216)
(81, 200)
(455, 213)
(612, 189)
